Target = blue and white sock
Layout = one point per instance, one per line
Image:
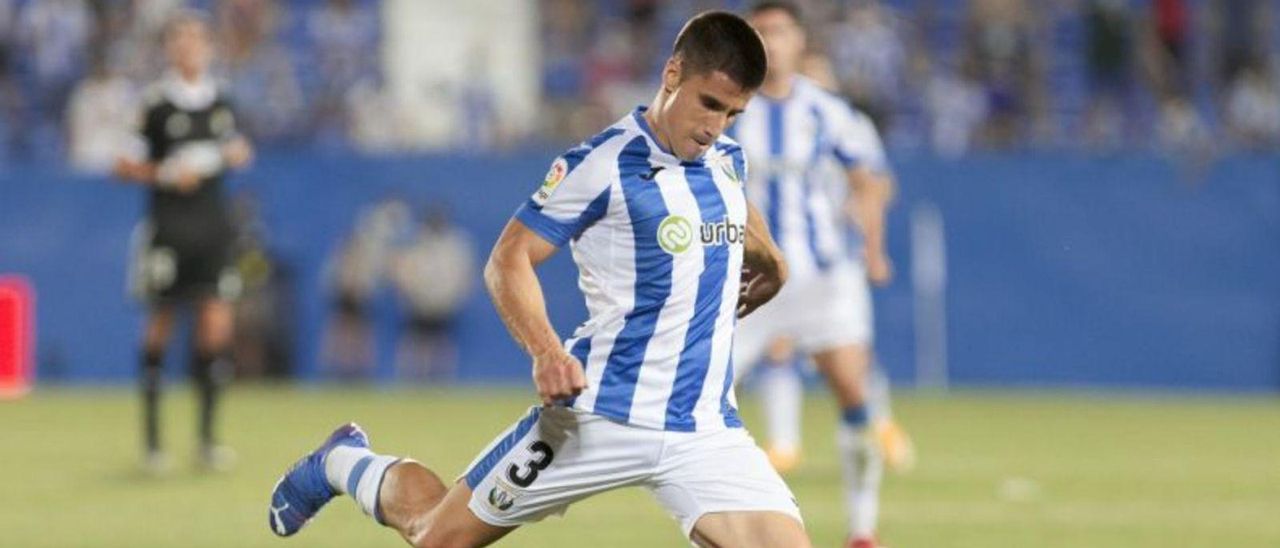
(863, 469)
(358, 472)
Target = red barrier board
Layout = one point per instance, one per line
(17, 307)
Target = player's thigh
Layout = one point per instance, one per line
(845, 368)
(216, 322)
(552, 458)
(719, 472)
(159, 326)
(749, 530)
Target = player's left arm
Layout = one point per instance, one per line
(237, 151)
(858, 148)
(870, 193)
(764, 268)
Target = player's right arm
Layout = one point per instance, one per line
(147, 171)
(765, 269)
(573, 196)
(513, 285)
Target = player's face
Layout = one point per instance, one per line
(188, 47)
(698, 108)
(784, 41)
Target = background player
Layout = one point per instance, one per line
(791, 131)
(660, 231)
(191, 139)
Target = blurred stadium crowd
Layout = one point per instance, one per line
(946, 75)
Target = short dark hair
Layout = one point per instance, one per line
(719, 40)
(790, 8)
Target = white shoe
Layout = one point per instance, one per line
(156, 463)
(216, 458)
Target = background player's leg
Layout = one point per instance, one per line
(845, 368)
(782, 393)
(151, 376)
(211, 373)
(748, 530)
(895, 444)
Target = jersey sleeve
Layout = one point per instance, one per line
(573, 196)
(855, 141)
(151, 131)
(225, 120)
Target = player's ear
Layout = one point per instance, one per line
(672, 74)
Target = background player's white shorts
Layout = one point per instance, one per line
(827, 311)
(557, 456)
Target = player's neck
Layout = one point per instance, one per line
(189, 76)
(651, 118)
(778, 87)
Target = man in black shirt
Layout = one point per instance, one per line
(191, 137)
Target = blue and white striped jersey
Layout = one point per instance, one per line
(658, 243)
(791, 143)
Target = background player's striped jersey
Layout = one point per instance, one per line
(791, 143)
(658, 243)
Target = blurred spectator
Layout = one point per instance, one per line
(1253, 109)
(11, 120)
(372, 119)
(957, 106)
(1182, 132)
(1168, 43)
(433, 277)
(315, 77)
(1240, 29)
(344, 34)
(263, 344)
(260, 71)
(356, 272)
(54, 35)
(869, 57)
(101, 119)
(1001, 48)
(565, 37)
(135, 51)
(481, 128)
(1108, 53)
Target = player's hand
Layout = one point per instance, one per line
(757, 288)
(558, 376)
(186, 180)
(879, 269)
(131, 170)
(237, 153)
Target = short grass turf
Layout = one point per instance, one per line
(1017, 469)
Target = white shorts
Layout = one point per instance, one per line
(827, 311)
(556, 456)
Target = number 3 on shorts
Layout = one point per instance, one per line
(543, 460)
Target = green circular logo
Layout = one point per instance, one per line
(675, 233)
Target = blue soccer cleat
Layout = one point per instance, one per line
(303, 490)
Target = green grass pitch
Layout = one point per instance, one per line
(1016, 469)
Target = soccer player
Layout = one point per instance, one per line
(641, 394)
(791, 131)
(191, 138)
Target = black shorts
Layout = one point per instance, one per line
(170, 272)
(422, 325)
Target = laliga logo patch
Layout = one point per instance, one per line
(675, 233)
(558, 170)
(500, 498)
